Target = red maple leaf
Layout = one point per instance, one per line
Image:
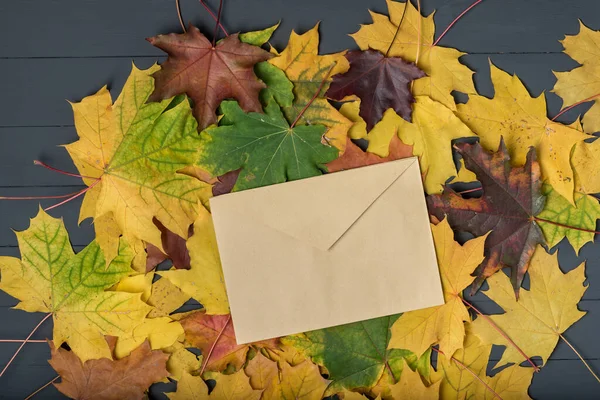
(380, 82)
(511, 199)
(208, 74)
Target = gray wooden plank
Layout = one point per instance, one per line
(36, 93)
(117, 28)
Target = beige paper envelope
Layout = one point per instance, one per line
(326, 251)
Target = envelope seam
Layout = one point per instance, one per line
(370, 205)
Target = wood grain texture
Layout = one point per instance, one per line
(58, 50)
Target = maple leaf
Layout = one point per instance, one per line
(165, 298)
(444, 325)
(464, 377)
(355, 355)
(216, 332)
(106, 379)
(355, 157)
(380, 82)
(308, 70)
(181, 361)
(208, 73)
(521, 121)
(560, 219)
(511, 199)
(50, 278)
(228, 387)
(264, 146)
(585, 164)
(430, 134)
(444, 72)
(302, 381)
(260, 37)
(174, 246)
(535, 322)
(581, 83)
(412, 387)
(131, 151)
(160, 332)
(204, 281)
(422, 365)
(263, 374)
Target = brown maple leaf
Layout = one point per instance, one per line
(380, 82)
(104, 379)
(355, 157)
(174, 246)
(511, 199)
(215, 337)
(208, 74)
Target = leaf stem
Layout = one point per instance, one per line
(419, 29)
(501, 332)
(212, 348)
(21, 341)
(564, 110)
(83, 191)
(23, 344)
(217, 22)
(314, 97)
(178, 7)
(455, 21)
(43, 387)
(60, 171)
(580, 357)
(212, 14)
(464, 367)
(397, 29)
(60, 196)
(565, 226)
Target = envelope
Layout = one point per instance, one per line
(326, 251)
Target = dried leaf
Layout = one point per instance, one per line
(581, 83)
(444, 325)
(542, 313)
(307, 69)
(204, 281)
(50, 278)
(216, 332)
(521, 121)
(136, 149)
(511, 199)
(208, 74)
(444, 72)
(355, 157)
(371, 72)
(105, 379)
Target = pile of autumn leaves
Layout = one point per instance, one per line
(153, 159)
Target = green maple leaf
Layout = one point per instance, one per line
(266, 148)
(51, 278)
(356, 354)
(558, 210)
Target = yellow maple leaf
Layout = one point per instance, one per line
(411, 386)
(303, 381)
(181, 360)
(263, 374)
(582, 83)
(50, 278)
(464, 377)
(444, 72)
(521, 120)
(130, 152)
(160, 332)
(535, 322)
(418, 330)
(431, 132)
(585, 164)
(307, 69)
(228, 387)
(204, 280)
(165, 298)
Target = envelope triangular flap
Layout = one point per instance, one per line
(317, 210)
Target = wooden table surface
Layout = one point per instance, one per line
(58, 50)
